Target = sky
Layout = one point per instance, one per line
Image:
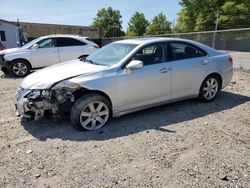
(82, 12)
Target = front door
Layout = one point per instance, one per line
(46, 54)
(148, 85)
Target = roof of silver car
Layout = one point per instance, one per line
(149, 39)
(143, 40)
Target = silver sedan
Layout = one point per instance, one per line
(123, 77)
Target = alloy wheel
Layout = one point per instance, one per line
(210, 88)
(20, 69)
(94, 115)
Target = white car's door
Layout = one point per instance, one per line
(45, 53)
(149, 84)
(70, 48)
(188, 69)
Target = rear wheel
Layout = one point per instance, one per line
(19, 68)
(209, 88)
(90, 112)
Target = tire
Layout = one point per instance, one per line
(90, 112)
(19, 68)
(209, 89)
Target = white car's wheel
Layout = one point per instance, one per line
(209, 88)
(90, 112)
(19, 68)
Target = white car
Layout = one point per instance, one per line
(45, 51)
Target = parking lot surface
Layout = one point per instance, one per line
(183, 144)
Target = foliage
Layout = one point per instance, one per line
(200, 15)
(109, 22)
(137, 25)
(159, 25)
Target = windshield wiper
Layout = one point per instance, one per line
(90, 61)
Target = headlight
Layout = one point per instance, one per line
(66, 84)
(46, 93)
(34, 94)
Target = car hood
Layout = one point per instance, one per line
(12, 50)
(45, 78)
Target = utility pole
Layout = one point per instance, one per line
(173, 27)
(216, 27)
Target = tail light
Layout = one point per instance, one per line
(96, 46)
(2, 47)
(231, 60)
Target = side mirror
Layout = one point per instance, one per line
(134, 64)
(35, 46)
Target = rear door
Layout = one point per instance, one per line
(46, 54)
(69, 48)
(189, 64)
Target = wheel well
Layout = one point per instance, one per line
(78, 93)
(218, 76)
(23, 60)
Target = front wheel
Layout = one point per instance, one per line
(90, 112)
(19, 68)
(209, 89)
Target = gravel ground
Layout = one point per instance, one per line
(185, 144)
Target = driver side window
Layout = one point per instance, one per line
(151, 54)
(46, 43)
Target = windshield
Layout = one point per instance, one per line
(111, 54)
(29, 44)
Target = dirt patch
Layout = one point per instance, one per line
(183, 144)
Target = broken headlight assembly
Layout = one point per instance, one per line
(40, 94)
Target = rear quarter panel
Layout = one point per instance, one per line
(220, 64)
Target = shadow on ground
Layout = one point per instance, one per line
(154, 118)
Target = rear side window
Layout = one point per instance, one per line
(64, 42)
(183, 50)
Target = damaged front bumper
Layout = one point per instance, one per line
(35, 104)
(4, 65)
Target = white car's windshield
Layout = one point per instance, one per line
(29, 44)
(111, 54)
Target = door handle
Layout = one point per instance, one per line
(205, 62)
(164, 70)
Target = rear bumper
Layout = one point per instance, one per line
(226, 78)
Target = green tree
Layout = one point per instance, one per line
(137, 25)
(200, 15)
(159, 25)
(234, 15)
(109, 22)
